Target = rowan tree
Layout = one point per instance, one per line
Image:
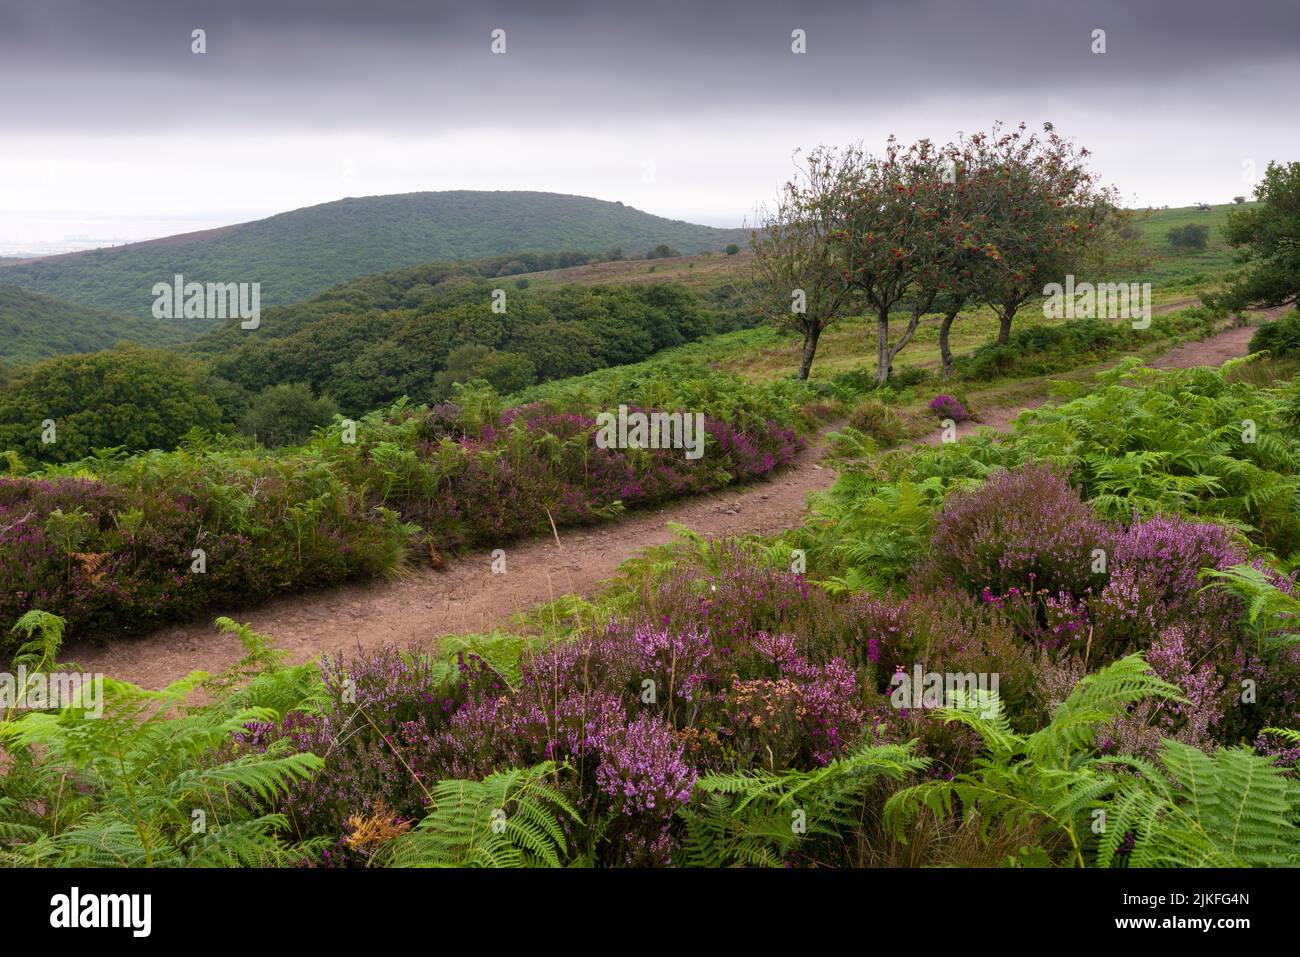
(894, 233)
(796, 274)
(1048, 216)
(966, 205)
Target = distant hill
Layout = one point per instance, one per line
(297, 254)
(34, 326)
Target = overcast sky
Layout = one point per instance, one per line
(111, 128)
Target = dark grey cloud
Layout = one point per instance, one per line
(112, 65)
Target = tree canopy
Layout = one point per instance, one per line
(1267, 237)
(128, 396)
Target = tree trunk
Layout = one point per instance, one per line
(1004, 325)
(945, 349)
(883, 358)
(810, 338)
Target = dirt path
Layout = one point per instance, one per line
(467, 597)
(1214, 351)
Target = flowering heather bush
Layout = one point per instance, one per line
(1064, 618)
(1177, 657)
(759, 722)
(120, 555)
(724, 700)
(117, 553)
(743, 602)
(381, 705)
(1153, 601)
(829, 715)
(514, 474)
(944, 630)
(1154, 569)
(1284, 753)
(1024, 528)
(676, 661)
(948, 407)
(805, 717)
(645, 778)
(1275, 674)
(874, 633)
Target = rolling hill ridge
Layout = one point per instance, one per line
(299, 253)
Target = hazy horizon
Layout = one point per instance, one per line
(142, 229)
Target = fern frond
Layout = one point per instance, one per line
(513, 818)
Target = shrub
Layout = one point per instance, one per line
(946, 407)
(1043, 348)
(854, 382)
(645, 779)
(127, 397)
(1179, 659)
(286, 414)
(880, 421)
(1024, 529)
(1280, 337)
(1191, 236)
(372, 701)
(1154, 568)
(450, 477)
(909, 376)
(506, 372)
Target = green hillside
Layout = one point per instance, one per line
(299, 253)
(35, 326)
(1172, 267)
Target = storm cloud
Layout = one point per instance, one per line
(110, 64)
(1185, 94)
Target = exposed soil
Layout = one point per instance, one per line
(467, 597)
(998, 418)
(1213, 351)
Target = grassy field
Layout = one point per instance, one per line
(1167, 268)
(708, 271)
(1171, 268)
